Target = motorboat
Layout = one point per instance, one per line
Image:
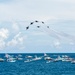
(1, 60)
(11, 60)
(48, 58)
(7, 56)
(66, 58)
(58, 59)
(73, 61)
(29, 57)
(19, 58)
(36, 58)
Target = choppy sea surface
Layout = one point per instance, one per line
(39, 67)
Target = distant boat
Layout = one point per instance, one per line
(66, 58)
(73, 61)
(48, 58)
(37, 58)
(19, 58)
(29, 56)
(33, 59)
(58, 58)
(1, 60)
(11, 60)
(7, 55)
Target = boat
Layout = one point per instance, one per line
(36, 58)
(7, 56)
(48, 58)
(33, 59)
(29, 57)
(19, 58)
(58, 59)
(11, 60)
(66, 58)
(73, 61)
(1, 60)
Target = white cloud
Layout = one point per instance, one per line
(17, 41)
(4, 33)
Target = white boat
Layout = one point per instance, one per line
(36, 58)
(73, 61)
(19, 58)
(11, 60)
(58, 59)
(48, 58)
(1, 60)
(29, 56)
(7, 55)
(66, 58)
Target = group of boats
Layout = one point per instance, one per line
(63, 58)
(29, 58)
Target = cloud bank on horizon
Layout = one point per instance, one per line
(17, 14)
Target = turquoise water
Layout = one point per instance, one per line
(39, 67)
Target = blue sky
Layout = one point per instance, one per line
(15, 15)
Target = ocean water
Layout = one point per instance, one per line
(39, 67)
